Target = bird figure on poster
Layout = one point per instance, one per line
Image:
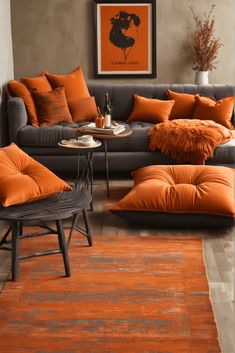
(121, 22)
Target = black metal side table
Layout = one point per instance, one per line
(104, 137)
(84, 172)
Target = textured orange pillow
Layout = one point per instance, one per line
(150, 110)
(74, 84)
(22, 179)
(52, 107)
(83, 109)
(181, 189)
(220, 111)
(184, 105)
(40, 82)
(18, 89)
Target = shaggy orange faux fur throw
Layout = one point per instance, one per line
(188, 140)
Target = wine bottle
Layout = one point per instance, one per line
(107, 112)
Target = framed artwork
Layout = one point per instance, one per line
(125, 38)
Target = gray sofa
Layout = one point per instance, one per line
(125, 154)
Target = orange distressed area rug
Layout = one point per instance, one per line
(126, 295)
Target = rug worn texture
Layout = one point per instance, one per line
(126, 294)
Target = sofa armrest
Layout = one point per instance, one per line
(17, 117)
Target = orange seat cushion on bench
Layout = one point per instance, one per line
(181, 189)
(22, 179)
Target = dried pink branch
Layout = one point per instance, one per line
(202, 43)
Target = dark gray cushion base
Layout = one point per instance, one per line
(173, 220)
(118, 161)
(49, 136)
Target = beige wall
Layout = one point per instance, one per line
(6, 63)
(57, 35)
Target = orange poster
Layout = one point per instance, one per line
(125, 38)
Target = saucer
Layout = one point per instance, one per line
(94, 143)
(86, 143)
(76, 144)
(67, 142)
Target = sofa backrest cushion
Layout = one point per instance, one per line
(83, 109)
(74, 84)
(184, 105)
(150, 110)
(220, 111)
(23, 90)
(40, 82)
(122, 95)
(18, 89)
(52, 107)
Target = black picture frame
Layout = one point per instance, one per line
(118, 53)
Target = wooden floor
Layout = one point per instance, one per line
(219, 251)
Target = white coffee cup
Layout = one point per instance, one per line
(86, 139)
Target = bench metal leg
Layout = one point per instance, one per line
(85, 231)
(72, 228)
(63, 246)
(87, 227)
(15, 251)
(21, 228)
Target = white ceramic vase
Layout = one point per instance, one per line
(202, 78)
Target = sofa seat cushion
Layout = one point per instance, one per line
(49, 136)
(138, 141)
(46, 136)
(181, 189)
(36, 140)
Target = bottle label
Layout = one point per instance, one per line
(107, 121)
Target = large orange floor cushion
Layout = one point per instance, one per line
(183, 195)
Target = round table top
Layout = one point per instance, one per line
(75, 144)
(125, 133)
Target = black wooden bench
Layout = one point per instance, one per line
(57, 208)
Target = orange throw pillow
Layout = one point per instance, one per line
(52, 107)
(184, 105)
(18, 89)
(39, 83)
(220, 111)
(83, 109)
(181, 189)
(22, 179)
(150, 110)
(74, 84)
